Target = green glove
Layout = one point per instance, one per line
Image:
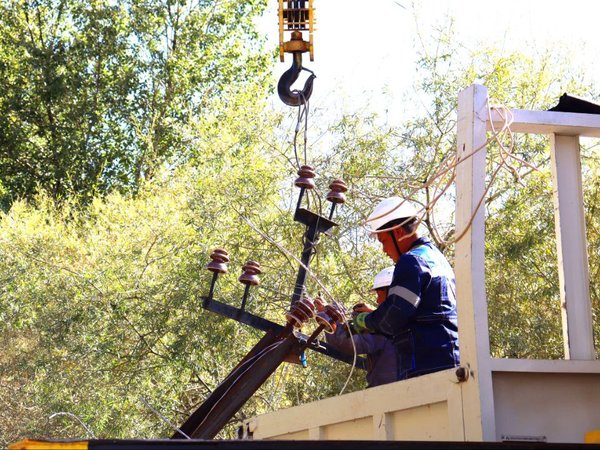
(359, 323)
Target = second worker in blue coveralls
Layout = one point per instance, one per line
(419, 313)
(381, 355)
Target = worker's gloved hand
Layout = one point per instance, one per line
(359, 323)
(319, 304)
(360, 308)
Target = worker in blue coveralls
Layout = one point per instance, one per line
(419, 313)
(381, 355)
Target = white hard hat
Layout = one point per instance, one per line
(391, 208)
(383, 278)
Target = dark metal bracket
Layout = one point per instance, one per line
(268, 326)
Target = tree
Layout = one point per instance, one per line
(97, 96)
(99, 306)
(521, 268)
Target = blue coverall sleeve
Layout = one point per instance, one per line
(365, 343)
(411, 276)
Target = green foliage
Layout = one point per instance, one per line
(522, 276)
(591, 192)
(521, 263)
(105, 302)
(97, 96)
(100, 305)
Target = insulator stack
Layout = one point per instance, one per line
(305, 180)
(336, 195)
(249, 277)
(328, 318)
(300, 312)
(250, 273)
(219, 258)
(218, 265)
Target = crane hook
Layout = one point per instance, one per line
(295, 97)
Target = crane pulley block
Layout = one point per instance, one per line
(295, 18)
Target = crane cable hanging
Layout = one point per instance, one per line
(296, 17)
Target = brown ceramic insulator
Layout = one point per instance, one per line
(334, 312)
(300, 312)
(307, 305)
(290, 317)
(250, 273)
(305, 180)
(296, 317)
(336, 195)
(220, 258)
(326, 321)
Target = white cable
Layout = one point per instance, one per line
(453, 162)
(73, 416)
(354, 356)
(163, 418)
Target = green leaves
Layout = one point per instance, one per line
(98, 96)
(146, 121)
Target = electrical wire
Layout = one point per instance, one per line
(354, 355)
(449, 165)
(161, 417)
(74, 416)
(303, 110)
(256, 357)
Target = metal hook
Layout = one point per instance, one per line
(295, 98)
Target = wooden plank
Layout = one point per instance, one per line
(544, 365)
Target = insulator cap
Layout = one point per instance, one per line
(334, 312)
(336, 195)
(220, 258)
(319, 303)
(326, 321)
(305, 180)
(250, 273)
(300, 312)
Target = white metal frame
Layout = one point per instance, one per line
(564, 129)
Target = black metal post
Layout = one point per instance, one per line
(212, 289)
(300, 198)
(331, 211)
(309, 241)
(246, 290)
